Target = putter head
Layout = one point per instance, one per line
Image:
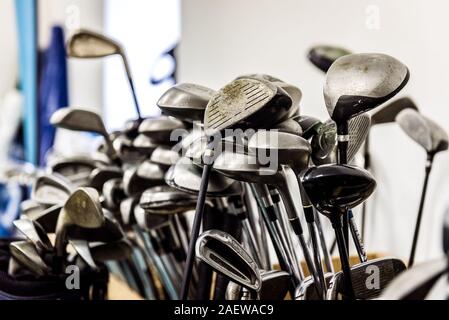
(335, 188)
(226, 256)
(423, 131)
(309, 125)
(26, 254)
(164, 156)
(99, 176)
(88, 44)
(324, 143)
(186, 101)
(275, 285)
(186, 176)
(357, 83)
(388, 113)
(385, 268)
(35, 233)
(246, 103)
(167, 200)
(160, 129)
(51, 189)
(290, 149)
(323, 56)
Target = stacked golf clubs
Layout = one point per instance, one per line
(230, 193)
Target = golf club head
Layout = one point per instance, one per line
(83, 209)
(357, 83)
(31, 207)
(146, 175)
(132, 151)
(75, 169)
(88, 44)
(35, 233)
(186, 101)
(323, 56)
(423, 131)
(82, 249)
(113, 193)
(144, 144)
(117, 250)
(289, 126)
(167, 200)
(289, 149)
(415, 283)
(306, 290)
(78, 119)
(226, 256)
(109, 231)
(160, 129)
(233, 291)
(46, 218)
(246, 103)
(388, 113)
(51, 189)
(336, 188)
(148, 221)
(275, 284)
(385, 269)
(186, 176)
(309, 125)
(99, 176)
(127, 210)
(324, 143)
(294, 92)
(26, 254)
(164, 156)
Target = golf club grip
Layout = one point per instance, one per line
(199, 211)
(232, 225)
(205, 272)
(420, 212)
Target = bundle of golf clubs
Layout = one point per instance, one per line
(226, 196)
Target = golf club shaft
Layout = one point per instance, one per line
(326, 254)
(195, 231)
(420, 210)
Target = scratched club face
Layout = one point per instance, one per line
(237, 101)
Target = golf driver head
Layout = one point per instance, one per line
(51, 189)
(186, 101)
(388, 112)
(324, 143)
(335, 188)
(246, 103)
(357, 83)
(289, 126)
(26, 254)
(385, 269)
(226, 256)
(323, 56)
(423, 131)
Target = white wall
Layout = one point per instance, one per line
(8, 47)
(225, 38)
